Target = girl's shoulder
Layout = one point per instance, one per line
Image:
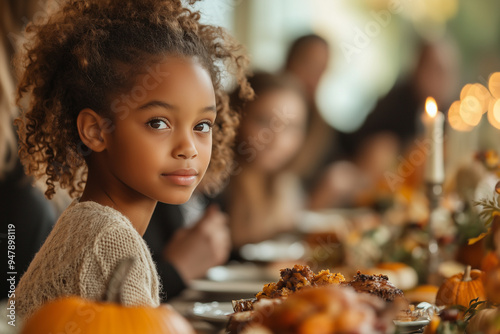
(93, 217)
(97, 228)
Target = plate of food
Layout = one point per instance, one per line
(219, 313)
(304, 299)
(415, 319)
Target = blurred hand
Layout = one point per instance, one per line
(338, 185)
(194, 250)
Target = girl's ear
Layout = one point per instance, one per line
(90, 129)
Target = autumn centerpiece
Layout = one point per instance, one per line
(78, 315)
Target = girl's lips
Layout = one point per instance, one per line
(181, 180)
(182, 177)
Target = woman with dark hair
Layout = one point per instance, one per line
(307, 61)
(263, 196)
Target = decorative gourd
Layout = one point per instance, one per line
(472, 254)
(482, 322)
(489, 262)
(78, 315)
(492, 285)
(461, 288)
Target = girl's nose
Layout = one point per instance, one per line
(185, 148)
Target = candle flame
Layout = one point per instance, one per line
(431, 107)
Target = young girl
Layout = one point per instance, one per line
(264, 197)
(126, 106)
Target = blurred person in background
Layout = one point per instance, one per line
(400, 112)
(24, 211)
(187, 240)
(263, 196)
(359, 182)
(389, 131)
(307, 61)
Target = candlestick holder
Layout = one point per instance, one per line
(434, 194)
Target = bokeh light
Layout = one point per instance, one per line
(494, 85)
(478, 91)
(465, 91)
(494, 113)
(470, 110)
(455, 120)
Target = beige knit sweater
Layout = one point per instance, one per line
(79, 255)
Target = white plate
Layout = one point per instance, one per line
(411, 326)
(213, 312)
(273, 250)
(248, 272)
(227, 287)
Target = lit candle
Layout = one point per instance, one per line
(434, 124)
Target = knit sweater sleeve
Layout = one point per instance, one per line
(116, 244)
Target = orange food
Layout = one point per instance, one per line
(317, 324)
(325, 310)
(391, 265)
(433, 325)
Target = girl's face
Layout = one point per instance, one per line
(161, 141)
(273, 129)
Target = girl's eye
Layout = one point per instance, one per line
(158, 124)
(204, 127)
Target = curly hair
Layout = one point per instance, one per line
(90, 50)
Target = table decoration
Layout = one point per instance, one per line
(476, 310)
(461, 288)
(78, 315)
(434, 178)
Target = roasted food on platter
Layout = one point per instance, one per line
(326, 309)
(242, 305)
(296, 278)
(378, 285)
(239, 321)
(303, 302)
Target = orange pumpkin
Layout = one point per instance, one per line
(77, 315)
(461, 288)
(484, 321)
(492, 285)
(489, 262)
(472, 254)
